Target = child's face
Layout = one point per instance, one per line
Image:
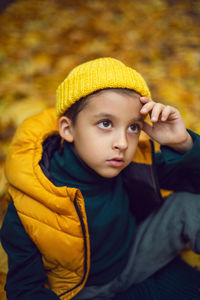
(106, 131)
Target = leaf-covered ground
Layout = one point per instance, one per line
(42, 40)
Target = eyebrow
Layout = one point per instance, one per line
(106, 115)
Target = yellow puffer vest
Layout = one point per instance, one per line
(54, 217)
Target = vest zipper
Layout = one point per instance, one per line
(85, 247)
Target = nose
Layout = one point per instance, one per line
(120, 142)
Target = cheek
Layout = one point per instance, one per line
(95, 139)
(88, 147)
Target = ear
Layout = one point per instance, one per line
(65, 129)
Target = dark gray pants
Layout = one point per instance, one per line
(157, 241)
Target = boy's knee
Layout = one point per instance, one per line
(185, 200)
(186, 217)
(183, 206)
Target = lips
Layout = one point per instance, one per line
(116, 162)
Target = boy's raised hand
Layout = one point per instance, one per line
(168, 127)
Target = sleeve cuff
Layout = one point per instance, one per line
(172, 156)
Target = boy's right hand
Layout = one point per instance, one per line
(168, 127)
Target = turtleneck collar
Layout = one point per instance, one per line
(67, 168)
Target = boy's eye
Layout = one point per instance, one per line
(105, 124)
(135, 128)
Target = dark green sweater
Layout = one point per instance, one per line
(110, 222)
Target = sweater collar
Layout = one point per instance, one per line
(67, 168)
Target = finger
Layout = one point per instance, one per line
(145, 99)
(171, 113)
(147, 107)
(156, 112)
(166, 112)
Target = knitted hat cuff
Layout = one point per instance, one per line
(96, 75)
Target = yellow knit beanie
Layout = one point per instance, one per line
(95, 75)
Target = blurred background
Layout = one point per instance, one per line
(42, 40)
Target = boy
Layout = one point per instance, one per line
(87, 220)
